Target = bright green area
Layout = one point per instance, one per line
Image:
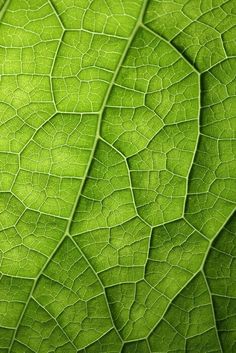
(117, 176)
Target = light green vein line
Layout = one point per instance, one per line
(55, 320)
(172, 46)
(200, 270)
(4, 8)
(196, 144)
(67, 232)
(213, 311)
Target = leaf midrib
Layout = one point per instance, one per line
(96, 139)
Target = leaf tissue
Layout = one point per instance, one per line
(117, 176)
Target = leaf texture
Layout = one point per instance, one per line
(117, 159)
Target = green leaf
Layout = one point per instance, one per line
(117, 176)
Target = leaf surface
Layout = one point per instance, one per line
(117, 159)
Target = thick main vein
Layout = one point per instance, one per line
(4, 9)
(96, 139)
